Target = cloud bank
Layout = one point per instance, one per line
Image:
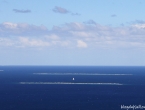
(72, 35)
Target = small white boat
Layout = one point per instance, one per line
(73, 79)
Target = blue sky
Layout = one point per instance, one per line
(66, 32)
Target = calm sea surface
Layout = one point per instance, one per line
(71, 87)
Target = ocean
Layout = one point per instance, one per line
(72, 87)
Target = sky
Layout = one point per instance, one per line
(66, 32)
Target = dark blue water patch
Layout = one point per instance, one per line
(15, 96)
(69, 97)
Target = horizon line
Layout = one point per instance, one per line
(77, 65)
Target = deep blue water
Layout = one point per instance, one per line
(52, 87)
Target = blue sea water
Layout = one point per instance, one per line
(71, 87)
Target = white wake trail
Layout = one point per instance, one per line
(80, 74)
(70, 83)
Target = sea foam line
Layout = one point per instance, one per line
(70, 83)
(78, 74)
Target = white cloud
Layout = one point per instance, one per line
(81, 44)
(140, 26)
(60, 43)
(52, 37)
(96, 35)
(83, 34)
(10, 29)
(10, 25)
(6, 42)
(32, 42)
